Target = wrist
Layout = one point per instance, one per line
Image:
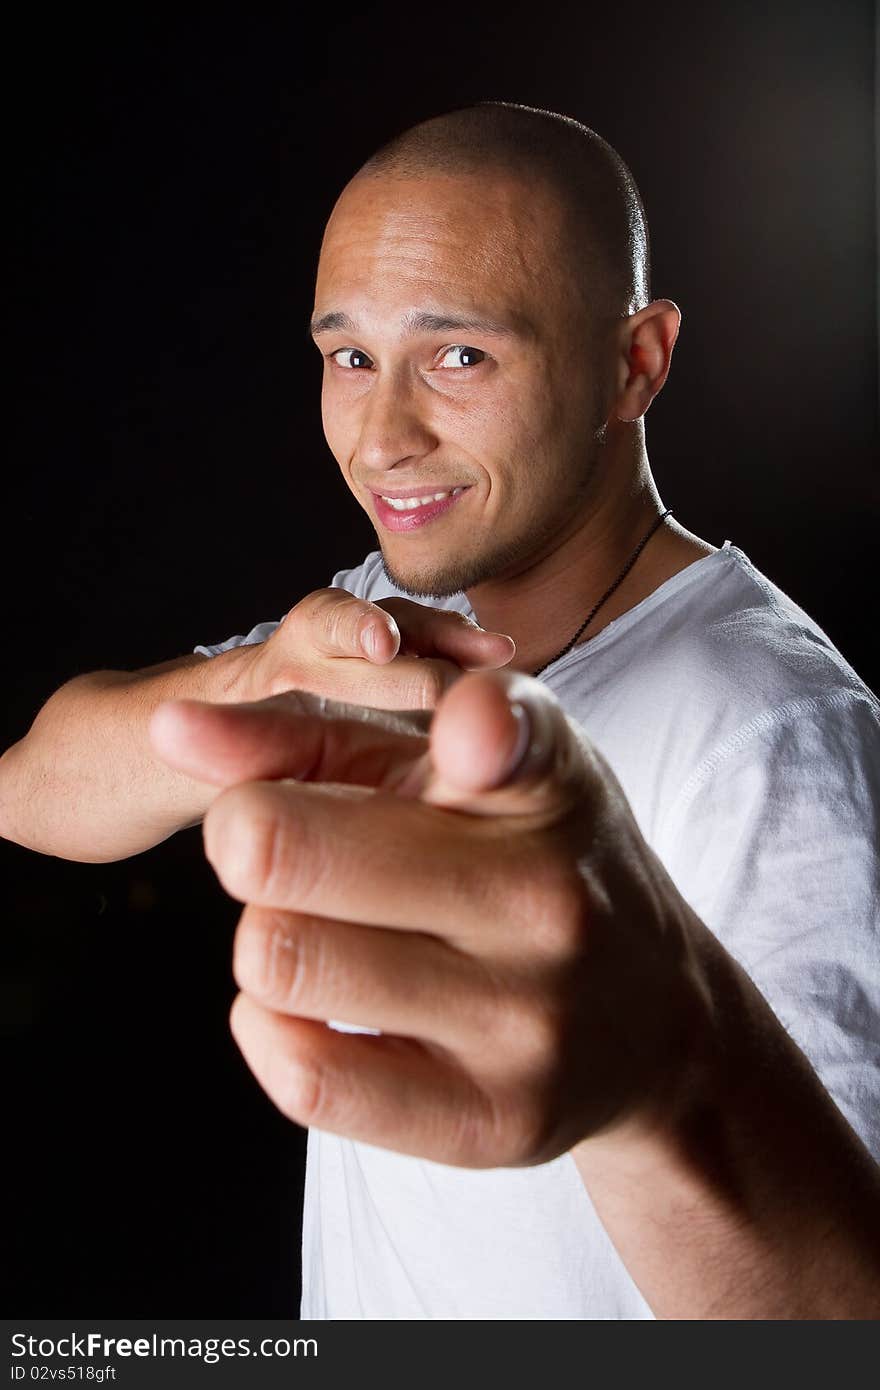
(230, 678)
(687, 1065)
(712, 1206)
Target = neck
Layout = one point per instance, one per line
(544, 603)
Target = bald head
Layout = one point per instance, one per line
(607, 234)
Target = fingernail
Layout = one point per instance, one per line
(523, 739)
(370, 639)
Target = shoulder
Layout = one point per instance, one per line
(764, 642)
(771, 824)
(766, 672)
(727, 641)
(772, 729)
(716, 668)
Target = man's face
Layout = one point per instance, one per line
(458, 360)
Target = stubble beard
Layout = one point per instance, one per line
(463, 572)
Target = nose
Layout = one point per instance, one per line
(393, 425)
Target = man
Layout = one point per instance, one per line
(550, 1088)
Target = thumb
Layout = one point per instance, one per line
(502, 745)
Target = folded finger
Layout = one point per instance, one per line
(303, 848)
(413, 985)
(388, 1091)
(446, 633)
(333, 622)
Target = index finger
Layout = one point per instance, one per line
(296, 735)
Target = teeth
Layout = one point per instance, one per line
(409, 504)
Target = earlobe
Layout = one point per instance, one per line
(635, 400)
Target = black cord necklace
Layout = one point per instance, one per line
(608, 592)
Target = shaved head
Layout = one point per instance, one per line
(607, 234)
(483, 311)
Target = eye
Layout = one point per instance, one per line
(467, 356)
(351, 358)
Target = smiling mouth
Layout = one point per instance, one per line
(409, 504)
(409, 511)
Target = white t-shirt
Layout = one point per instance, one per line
(750, 754)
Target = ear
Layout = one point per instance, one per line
(647, 340)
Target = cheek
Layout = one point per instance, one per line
(497, 425)
(328, 419)
(534, 447)
(519, 432)
(556, 429)
(339, 425)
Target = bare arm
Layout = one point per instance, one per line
(85, 783)
(751, 1198)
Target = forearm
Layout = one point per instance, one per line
(84, 783)
(758, 1201)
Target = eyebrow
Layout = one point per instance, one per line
(421, 322)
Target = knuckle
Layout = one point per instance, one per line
(542, 1034)
(471, 1134)
(301, 1091)
(341, 620)
(271, 960)
(552, 903)
(232, 830)
(529, 1030)
(533, 1129)
(334, 611)
(515, 1125)
(260, 840)
(250, 841)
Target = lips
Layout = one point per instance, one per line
(416, 507)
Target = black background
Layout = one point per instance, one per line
(167, 176)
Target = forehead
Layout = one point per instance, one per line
(475, 241)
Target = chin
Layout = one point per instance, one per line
(457, 573)
(427, 582)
